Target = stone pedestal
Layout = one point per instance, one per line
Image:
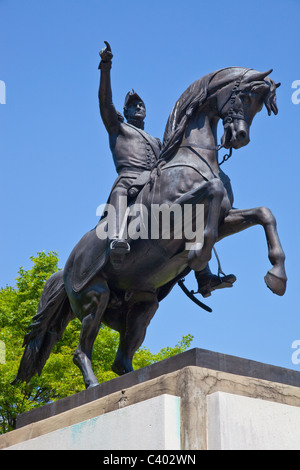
(198, 400)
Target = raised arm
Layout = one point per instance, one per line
(107, 110)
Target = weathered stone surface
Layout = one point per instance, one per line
(194, 357)
(243, 423)
(150, 424)
(191, 384)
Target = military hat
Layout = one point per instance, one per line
(130, 97)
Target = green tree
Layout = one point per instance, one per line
(60, 376)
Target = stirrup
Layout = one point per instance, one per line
(217, 282)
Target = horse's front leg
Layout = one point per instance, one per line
(211, 194)
(241, 219)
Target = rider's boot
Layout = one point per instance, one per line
(208, 282)
(118, 249)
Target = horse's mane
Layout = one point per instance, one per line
(196, 96)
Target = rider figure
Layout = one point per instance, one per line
(134, 151)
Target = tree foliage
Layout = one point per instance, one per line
(60, 377)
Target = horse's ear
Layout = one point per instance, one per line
(258, 76)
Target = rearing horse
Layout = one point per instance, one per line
(188, 173)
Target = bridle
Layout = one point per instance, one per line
(231, 115)
(227, 119)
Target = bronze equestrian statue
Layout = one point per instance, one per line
(135, 153)
(187, 172)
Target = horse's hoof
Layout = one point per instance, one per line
(120, 369)
(95, 384)
(275, 283)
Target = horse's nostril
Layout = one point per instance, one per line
(241, 135)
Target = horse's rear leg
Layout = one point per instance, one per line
(92, 304)
(132, 332)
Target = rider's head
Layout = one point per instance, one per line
(134, 109)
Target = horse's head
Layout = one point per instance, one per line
(234, 94)
(238, 104)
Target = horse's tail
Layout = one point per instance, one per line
(53, 314)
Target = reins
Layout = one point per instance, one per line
(219, 147)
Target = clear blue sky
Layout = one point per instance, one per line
(54, 147)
